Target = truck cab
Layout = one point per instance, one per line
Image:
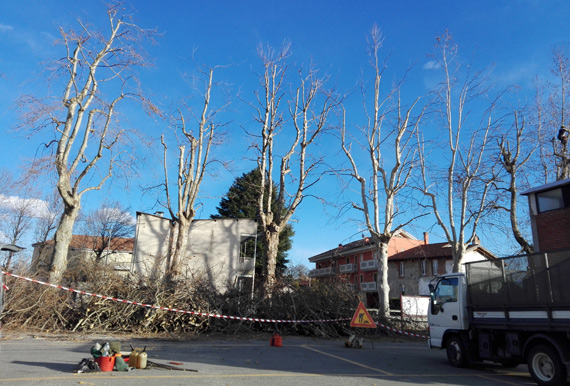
(447, 307)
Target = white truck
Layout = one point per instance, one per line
(510, 311)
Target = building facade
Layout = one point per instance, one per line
(221, 251)
(412, 263)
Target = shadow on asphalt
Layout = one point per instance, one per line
(63, 367)
(402, 362)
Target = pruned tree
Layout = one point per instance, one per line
(86, 136)
(467, 176)
(193, 161)
(513, 157)
(553, 115)
(309, 109)
(110, 228)
(389, 127)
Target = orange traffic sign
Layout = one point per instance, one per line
(362, 318)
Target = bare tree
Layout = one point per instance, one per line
(18, 203)
(193, 161)
(378, 197)
(86, 134)
(309, 108)
(110, 228)
(554, 113)
(514, 155)
(467, 176)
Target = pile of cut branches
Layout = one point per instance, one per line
(37, 307)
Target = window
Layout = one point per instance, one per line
(362, 278)
(435, 267)
(402, 289)
(247, 247)
(424, 267)
(445, 292)
(245, 284)
(348, 260)
(553, 199)
(376, 277)
(402, 269)
(550, 200)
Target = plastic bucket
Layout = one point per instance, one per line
(106, 363)
(276, 341)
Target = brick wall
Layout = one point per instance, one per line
(553, 229)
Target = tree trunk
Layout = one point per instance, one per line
(179, 250)
(458, 252)
(272, 247)
(383, 285)
(62, 240)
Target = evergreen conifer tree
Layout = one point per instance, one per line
(241, 202)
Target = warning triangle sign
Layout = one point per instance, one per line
(362, 318)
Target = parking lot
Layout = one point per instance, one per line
(234, 361)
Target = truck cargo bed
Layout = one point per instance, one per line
(526, 292)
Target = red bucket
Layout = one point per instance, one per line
(106, 363)
(276, 341)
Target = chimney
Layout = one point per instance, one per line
(426, 238)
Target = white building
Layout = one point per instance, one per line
(221, 250)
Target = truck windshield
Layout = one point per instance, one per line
(446, 291)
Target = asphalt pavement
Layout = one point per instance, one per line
(233, 361)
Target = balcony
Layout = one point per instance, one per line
(369, 265)
(246, 264)
(348, 268)
(321, 272)
(369, 286)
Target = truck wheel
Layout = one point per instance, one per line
(456, 354)
(545, 366)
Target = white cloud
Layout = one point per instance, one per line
(431, 65)
(33, 207)
(5, 28)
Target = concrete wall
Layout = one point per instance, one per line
(213, 250)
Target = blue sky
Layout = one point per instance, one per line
(517, 37)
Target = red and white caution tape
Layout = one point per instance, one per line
(402, 332)
(261, 320)
(173, 309)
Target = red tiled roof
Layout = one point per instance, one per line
(119, 244)
(434, 251)
(346, 247)
(426, 251)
